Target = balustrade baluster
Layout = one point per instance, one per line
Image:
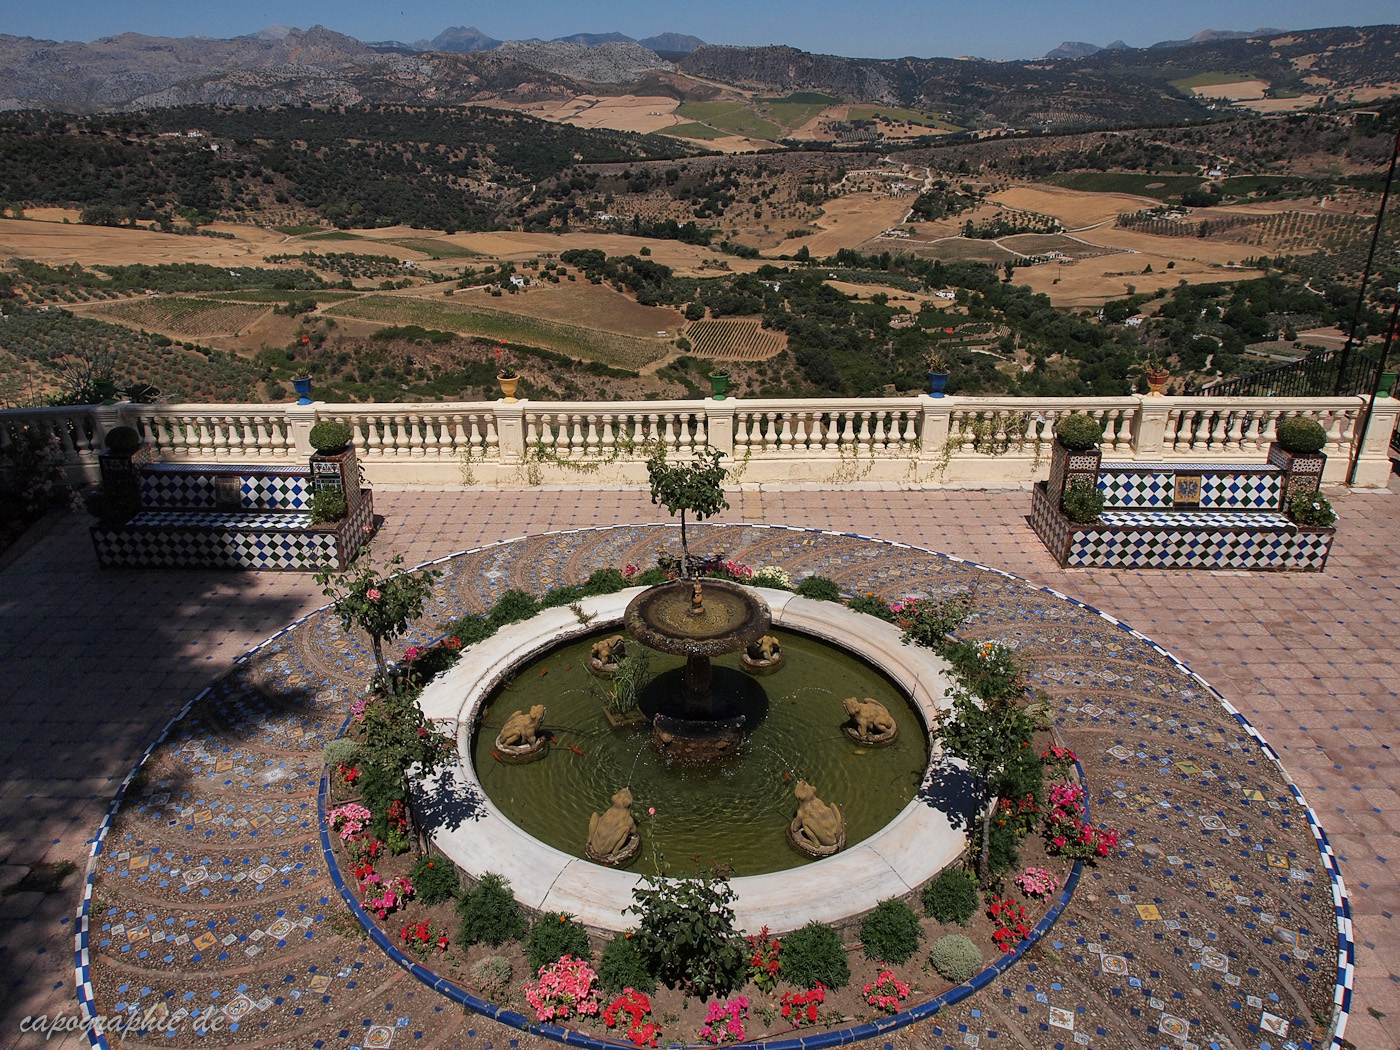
(702, 435)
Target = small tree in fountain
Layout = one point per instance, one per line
(697, 488)
(380, 603)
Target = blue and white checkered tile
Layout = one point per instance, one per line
(1245, 491)
(1185, 549)
(1195, 519)
(1136, 489)
(183, 488)
(276, 491)
(203, 519)
(240, 550)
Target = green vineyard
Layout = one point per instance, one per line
(733, 340)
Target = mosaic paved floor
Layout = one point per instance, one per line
(1214, 925)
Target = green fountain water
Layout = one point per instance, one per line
(731, 812)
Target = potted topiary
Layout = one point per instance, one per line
(1075, 454)
(122, 461)
(1297, 451)
(333, 464)
(329, 437)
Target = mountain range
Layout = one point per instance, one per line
(1076, 86)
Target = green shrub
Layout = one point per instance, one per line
(686, 934)
(329, 437)
(604, 581)
(560, 596)
(379, 789)
(434, 880)
(337, 751)
(952, 897)
(1297, 434)
(820, 589)
(489, 913)
(552, 936)
(1083, 502)
(1005, 848)
(813, 955)
(1312, 509)
(327, 505)
(1078, 432)
(890, 933)
(491, 976)
(622, 966)
(512, 607)
(955, 957)
(872, 605)
(470, 629)
(650, 577)
(123, 439)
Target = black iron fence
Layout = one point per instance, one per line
(1316, 375)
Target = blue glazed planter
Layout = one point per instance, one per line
(936, 382)
(303, 389)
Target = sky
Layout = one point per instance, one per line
(1002, 29)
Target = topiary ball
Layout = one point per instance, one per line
(1296, 434)
(123, 439)
(329, 437)
(955, 957)
(1078, 432)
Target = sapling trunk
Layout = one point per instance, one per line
(685, 551)
(988, 811)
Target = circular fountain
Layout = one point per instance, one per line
(697, 619)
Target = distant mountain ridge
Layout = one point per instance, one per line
(1080, 49)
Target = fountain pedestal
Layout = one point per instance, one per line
(697, 619)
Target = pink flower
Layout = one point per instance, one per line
(372, 594)
(651, 811)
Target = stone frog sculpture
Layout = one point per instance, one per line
(521, 729)
(818, 828)
(605, 655)
(870, 721)
(766, 649)
(612, 835)
(763, 656)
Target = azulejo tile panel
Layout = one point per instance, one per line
(1205, 547)
(1228, 486)
(176, 485)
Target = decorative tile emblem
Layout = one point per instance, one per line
(1187, 489)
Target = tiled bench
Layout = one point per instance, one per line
(234, 517)
(1184, 516)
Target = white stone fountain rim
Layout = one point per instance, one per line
(478, 838)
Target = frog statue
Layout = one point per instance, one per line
(763, 656)
(818, 829)
(605, 655)
(870, 721)
(612, 835)
(521, 730)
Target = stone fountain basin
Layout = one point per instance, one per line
(472, 832)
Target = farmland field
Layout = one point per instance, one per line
(733, 118)
(436, 249)
(694, 130)
(624, 351)
(1040, 243)
(197, 317)
(733, 340)
(1159, 186)
(277, 295)
(907, 116)
(958, 249)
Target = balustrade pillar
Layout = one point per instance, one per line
(719, 421)
(1149, 428)
(933, 426)
(510, 431)
(300, 420)
(1373, 464)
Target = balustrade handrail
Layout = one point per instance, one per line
(930, 433)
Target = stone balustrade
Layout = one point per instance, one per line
(955, 441)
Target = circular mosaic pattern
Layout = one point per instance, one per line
(1219, 919)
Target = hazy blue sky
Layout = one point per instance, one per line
(893, 28)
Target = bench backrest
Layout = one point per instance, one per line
(234, 486)
(1207, 486)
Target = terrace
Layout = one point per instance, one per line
(96, 663)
